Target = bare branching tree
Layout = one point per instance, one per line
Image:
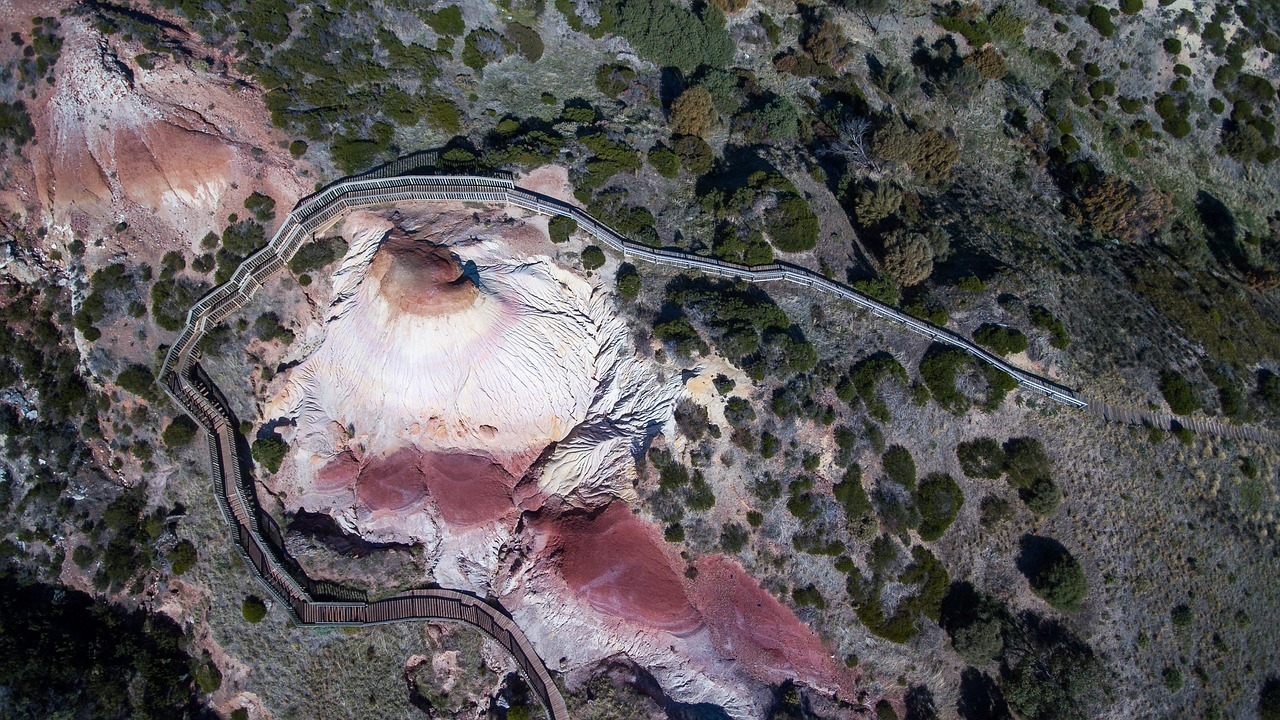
(852, 143)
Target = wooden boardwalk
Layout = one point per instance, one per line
(258, 537)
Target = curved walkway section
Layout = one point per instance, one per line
(258, 537)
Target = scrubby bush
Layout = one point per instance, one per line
(628, 281)
(1178, 393)
(592, 258)
(253, 609)
(179, 432)
(929, 153)
(908, 257)
(692, 113)
(182, 557)
(613, 80)
(1000, 339)
(138, 380)
(938, 499)
(899, 466)
(672, 36)
(171, 299)
(318, 254)
(851, 495)
(269, 451)
(877, 204)
(695, 154)
(938, 370)
(665, 161)
(561, 227)
(1059, 580)
(733, 538)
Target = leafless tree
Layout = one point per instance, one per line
(852, 143)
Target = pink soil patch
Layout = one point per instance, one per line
(749, 624)
(615, 562)
(469, 490)
(338, 473)
(420, 278)
(393, 483)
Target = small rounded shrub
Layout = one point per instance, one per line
(253, 609)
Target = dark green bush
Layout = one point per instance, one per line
(938, 498)
(1100, 18)
(1000, 339)
(181, 431)
(1059, 580)
(269, 451)
(1042, 497)
(672, 36)
(808, 597)
(253, 609)
(938, 370)
(733, 538)
(628, 282)
(182, 557)
(592, 258)
(1026, 461)
(613, 80)
(792, 225)
(1178, 393)
(317, 255)
(561, 227)
(851, 495)
(138, 380)
(899, 466)
(1045, 320)
(665, 161)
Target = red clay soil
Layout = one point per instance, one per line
(392, 483)
(749, 624)
(338, 472)
(469, 490)
(616, 563)
(420, 278)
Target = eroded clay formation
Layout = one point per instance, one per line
(467, 394)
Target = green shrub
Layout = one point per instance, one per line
(317, 254)
(171, 299)
(613, 80)
(1000, 339)
(527, 41)
(446, 21)
(1100, 18)
(1045, 320)
(938, 499)
(665, 161)
(851, 495)
(995, 511)
(1130, 7)
(179, 432)
(1025, 461)
(298, 148)
(733, 538)
(672, 36)
(899, 466)
(253, 609)
(138, 380)
(269, 451)
(1042, 496)
(628, 282)
(263, 207)
(1178, 393)
(808, 597)
(792, 225)
(938, 370)
(82, 556)
(592, 258)
(561, 227)
(182, 557)
(1060, 581)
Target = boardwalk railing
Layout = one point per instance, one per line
(259, 539)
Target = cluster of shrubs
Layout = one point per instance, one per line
(862, 382)
(940, 367)
(1022, 460)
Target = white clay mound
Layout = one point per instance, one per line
(454, 347)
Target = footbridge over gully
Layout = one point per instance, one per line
(258, 537)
